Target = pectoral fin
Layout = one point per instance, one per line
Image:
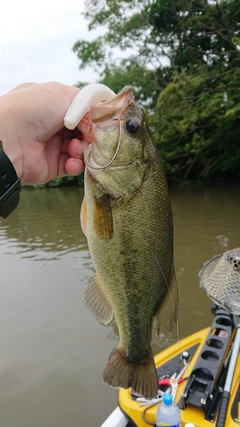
(103, 222)
(168, 311)
(97, 303)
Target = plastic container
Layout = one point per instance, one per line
(168, 413)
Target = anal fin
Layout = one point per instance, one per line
(97, 303)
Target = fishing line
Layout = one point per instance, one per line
(101, 167)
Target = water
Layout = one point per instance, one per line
(52, 351)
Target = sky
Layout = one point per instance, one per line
(36, 40)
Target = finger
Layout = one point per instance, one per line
(75, 148)
(74, 166)
(64, 146)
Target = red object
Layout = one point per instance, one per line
(170, 381)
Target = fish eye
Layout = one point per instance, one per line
(132, 126)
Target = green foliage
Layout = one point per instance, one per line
(121, 53)
(65, 181)
(132, 74)
(89, 52)
(196, 127)
(182, 58)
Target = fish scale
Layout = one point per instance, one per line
(130, 238)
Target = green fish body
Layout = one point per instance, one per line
(127, 218)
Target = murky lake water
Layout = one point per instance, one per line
(52, 351)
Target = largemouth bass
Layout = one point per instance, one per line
(126, 216)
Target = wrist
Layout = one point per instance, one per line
(8, 135)
(10, 185)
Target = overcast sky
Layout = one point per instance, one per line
(36, 40)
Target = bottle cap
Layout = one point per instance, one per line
(167, 399)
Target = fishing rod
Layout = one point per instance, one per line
(228, 383)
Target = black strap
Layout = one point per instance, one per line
(10, 186)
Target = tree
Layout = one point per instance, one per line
(199, 126)
(121, 53)
(199, 110)
(182, 58)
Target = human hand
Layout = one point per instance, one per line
(33, 134)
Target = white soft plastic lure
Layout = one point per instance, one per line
(81, 104)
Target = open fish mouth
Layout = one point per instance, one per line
(89, 156)
(106, 101)
(107, 118)
(95, 108)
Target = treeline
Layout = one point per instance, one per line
(182, 58)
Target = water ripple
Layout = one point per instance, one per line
(45, 226)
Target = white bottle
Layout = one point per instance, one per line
(168, 414)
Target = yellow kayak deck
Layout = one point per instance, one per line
(168, 362)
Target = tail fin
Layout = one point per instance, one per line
(141, 376)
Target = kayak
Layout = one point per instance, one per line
(194, 371)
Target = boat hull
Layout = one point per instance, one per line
(167, 361)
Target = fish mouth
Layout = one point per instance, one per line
(105, 114)
(106, 117)
(113, 108)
